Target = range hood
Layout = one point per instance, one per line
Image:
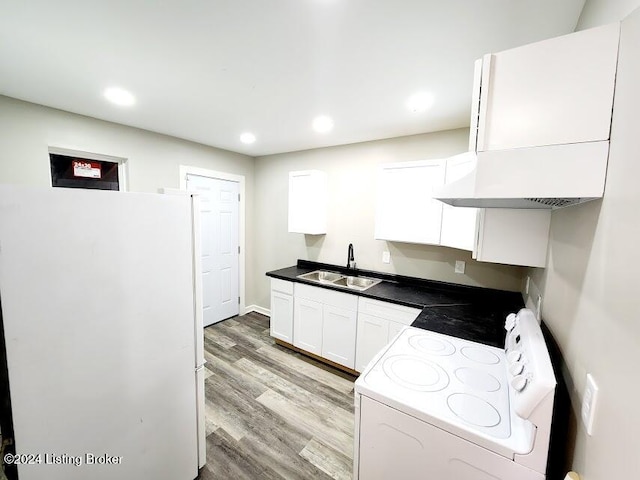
(548, 177)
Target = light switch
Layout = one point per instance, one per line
(589, 402)
(386, 257)
(459, 266)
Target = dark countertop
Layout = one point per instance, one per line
(471, 313)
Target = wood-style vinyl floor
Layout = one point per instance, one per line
(272, 413)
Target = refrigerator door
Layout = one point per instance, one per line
(197, 280)
(199, 360)
(98, 311)
(200, 403)
(199, 329)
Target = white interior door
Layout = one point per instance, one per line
(219, 224)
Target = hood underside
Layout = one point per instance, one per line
(548, 177)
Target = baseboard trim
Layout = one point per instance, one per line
(257, 309)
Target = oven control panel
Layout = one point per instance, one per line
(530, 373)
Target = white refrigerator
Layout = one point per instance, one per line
(102, 323)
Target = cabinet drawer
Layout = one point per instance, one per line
(388, 311)
(282, 286)
(327, 297)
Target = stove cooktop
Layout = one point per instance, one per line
(457, 385)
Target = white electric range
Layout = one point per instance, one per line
(440, 407)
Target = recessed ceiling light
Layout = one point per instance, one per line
(420, 102)
(247, 138)
(119, 96)
(322, 124)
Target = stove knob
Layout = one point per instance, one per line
(519, 382)
(514, 356)
(516, 368)
(510, 322)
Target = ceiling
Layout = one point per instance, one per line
(209, 70)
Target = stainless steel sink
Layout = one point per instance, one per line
(345, 281)
(357, 283)
(321, 276)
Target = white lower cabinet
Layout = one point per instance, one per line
(324, 323)
(378, 323)
(394, 329)
(373, 335)
(308, 325)
(281, 324)
(339, 335)
(343, 328)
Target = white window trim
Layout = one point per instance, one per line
(240, 179)
(123, 165)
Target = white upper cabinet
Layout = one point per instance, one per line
(512, 236)
(458, 224)
(308, 202)
(558, 91)
(406, 210)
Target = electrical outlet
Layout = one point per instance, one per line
(386, 257)
(526, 285)
(539, 308)
(460, 266)
(589, 401)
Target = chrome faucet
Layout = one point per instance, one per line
(351, 263)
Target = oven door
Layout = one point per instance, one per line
(392, 444)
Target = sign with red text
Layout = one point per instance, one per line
(83, 168)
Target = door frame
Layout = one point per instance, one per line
(231, 177)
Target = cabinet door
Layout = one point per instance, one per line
(307, 325)
(513, 236)
(458, 223)
(308, 202)
(557, 91)
(339, 335)
(406, 210)
(373, 335)
(281, 324)
(394, 329)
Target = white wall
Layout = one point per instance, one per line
(601, 12)
(352, 177)
(27, 130)
(590, 289)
